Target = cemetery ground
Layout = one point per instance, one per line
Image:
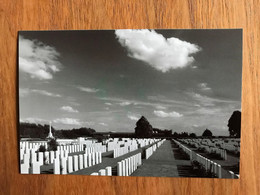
(158, 158)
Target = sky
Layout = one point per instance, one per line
(183, 80)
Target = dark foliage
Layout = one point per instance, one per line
(75, 133)
(158, 132)
(31, 130)
(184, 135)
(234, 124)
(143, 128)
(42, 149)
(52, 145)
(207, 133)
(199, 170)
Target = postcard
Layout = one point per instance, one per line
(130, 102)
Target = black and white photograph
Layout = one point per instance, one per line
(130, 102)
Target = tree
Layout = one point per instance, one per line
(207, 133)
(234, 124)
(42, 148)
(143, 128)
(52, 145)
(193, 135)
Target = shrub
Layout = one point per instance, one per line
(52, 145)
(41, 149)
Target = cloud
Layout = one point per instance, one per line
(107, 103)
(209, 101)
(68, 109)
(43, 92)
(160, 107)
(67, 121)
(103, 124)
(23, 92)
(133, 117)
(33, 120)
(87, 89)
(161, 53)
(124, 103)
(163, 114)
(204, 86)
(37, 59)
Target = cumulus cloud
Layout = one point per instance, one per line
(25, 91)
(107, 103)
(161, 53)
(209, 101)
(204, 86)
(68, 109)
(37, 59)
(87, 89)
(133, 117)
(68, 121)
(43, 92)
(103, 124)
(163, 114)
(33, 120)
(124, 103)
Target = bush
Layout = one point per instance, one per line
(41, 149)
(200, 170)
(52, 145)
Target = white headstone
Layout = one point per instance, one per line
(56, 166)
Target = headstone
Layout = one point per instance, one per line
(24, 168)
(56, 166)
(63, 166)
(119, 169)
(102, 172)
(109, 171)
(76, 162)
(85, 159)
(70, 164)
(81, 161)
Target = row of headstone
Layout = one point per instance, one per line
(76, 162)
(97, 148)
(208, 164)
(33, 160)
(201, 144)
(233, 175)
(120, 151)
(149, 151)
(230, 144)
(127, 166)
(104, 172)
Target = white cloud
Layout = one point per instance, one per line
(107, 103)
(68, 109)
(208, 101)
(160, 107)
(25, 91)
(33, 120)
(103, 124)
(67, 121)
(87, 89)
(43, 92)
(38, 59)
(204, 86)
(133, 117)
(161, 53)
(124, 103)
(163, 114)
